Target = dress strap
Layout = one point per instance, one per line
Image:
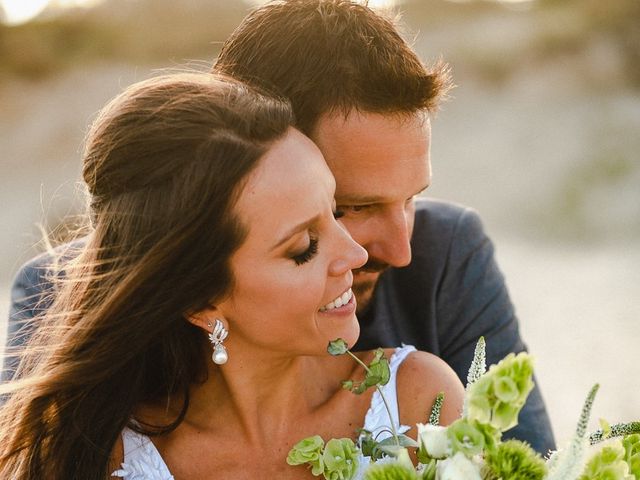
(377, 419)
(142, 461)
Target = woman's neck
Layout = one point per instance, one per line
(259, 395)
(260, 406)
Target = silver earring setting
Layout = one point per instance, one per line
(220, 355)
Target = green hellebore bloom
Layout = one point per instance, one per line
(308, 450)
(505, 416)
(505, 389)
(498, 396)
(479, 407)
(340, 459)
(465, 437)
(631, 444)
(607, 464)
(634, 465)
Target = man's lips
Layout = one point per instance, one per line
(372, 266)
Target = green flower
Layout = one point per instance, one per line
(607, 464)
(390, 471)
(308, 450)
(470, 437)
(631, 444)
(498, 396)
(340, 459)
(514, 460)
(505, 389)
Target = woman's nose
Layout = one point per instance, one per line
(351, 255)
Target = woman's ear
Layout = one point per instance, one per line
(205, 318)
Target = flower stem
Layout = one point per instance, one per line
(359, 361)
(384, 400)
(386, 405)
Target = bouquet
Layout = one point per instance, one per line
(471, 448)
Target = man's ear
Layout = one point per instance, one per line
(204, 318)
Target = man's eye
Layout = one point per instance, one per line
(355, 208)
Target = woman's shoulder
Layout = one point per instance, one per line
(117, 456)
(420, 378)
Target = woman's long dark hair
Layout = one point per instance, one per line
(164, 164)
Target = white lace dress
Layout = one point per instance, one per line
(142, 461)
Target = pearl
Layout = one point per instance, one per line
(219, 356)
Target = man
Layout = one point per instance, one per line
(365, 98)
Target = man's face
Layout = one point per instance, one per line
(380, 163)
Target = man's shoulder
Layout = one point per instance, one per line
(441, 213)
(438, 223)
(33, 274)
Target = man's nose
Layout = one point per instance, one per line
(391, 244)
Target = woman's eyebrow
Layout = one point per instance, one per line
(297, 229)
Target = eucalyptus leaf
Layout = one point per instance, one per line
(379, 372)
(337, 347)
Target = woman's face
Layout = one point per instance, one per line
(292, 290)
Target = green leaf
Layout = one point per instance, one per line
(402, 441)
(391, 449)
(337, 347)
(379, 372)
(360, 388)
(366, 443)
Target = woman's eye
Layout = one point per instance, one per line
(308, 254)
(338, 214)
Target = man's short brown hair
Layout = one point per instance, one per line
(328, 55)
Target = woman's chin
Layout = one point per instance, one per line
(347, 329)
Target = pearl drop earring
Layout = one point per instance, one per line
(217, 336)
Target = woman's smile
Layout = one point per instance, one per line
(344, 303)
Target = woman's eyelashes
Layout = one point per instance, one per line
(308, 254)
(312, 249)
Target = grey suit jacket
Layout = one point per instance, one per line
(451, 294)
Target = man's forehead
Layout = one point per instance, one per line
(339, 118)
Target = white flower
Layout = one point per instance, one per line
(433, 440)
(458, 467)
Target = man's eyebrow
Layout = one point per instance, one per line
(355, 199)
(297, 229)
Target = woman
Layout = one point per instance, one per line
(213, 234)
